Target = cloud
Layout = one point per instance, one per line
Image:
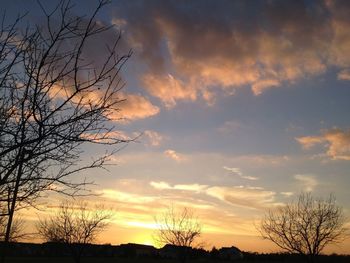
(161, 185)
(174, 155)
(243, 196)
(136, 107)
(309, 182)
(129, 106)
(344, 74)
(238, 172)
(154, 137)
(125, 197)
(339, 144)
(336, 141)
(250, 177)
(308, 142)
(183, 187)
(234, 170)
(190, 187)
(204, 53)
(168, 89)
(261, 85)
(340, 24)
(287, 194)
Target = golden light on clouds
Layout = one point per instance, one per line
(234, 110)
(130, 106)
(204, 57)
(344, 74)
(168, 89)
(336, 141)
(136, 107)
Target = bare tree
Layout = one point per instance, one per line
(17, 229)
(306, 226)
(180, 228)
(53, 100)
(75, 225)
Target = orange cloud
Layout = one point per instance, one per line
(308, 142)
(336, 141)
(129, 107)
(136, 107)
(261, 85)
(168, 89)
(344, 74)
(340, 24)
(206, 53)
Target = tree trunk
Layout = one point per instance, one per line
(12, 206)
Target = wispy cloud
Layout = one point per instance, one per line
(234, 170)
(243, 196)
(174, 155)
(154, 138)
(161, 185)
(124, 196)
(308, 182)
(237, 171)
(287, 193)
(185, 187)
(247, 197)
(308, 142)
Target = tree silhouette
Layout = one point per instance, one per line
(17, 229)
(53, 100)
(180, 228)
(74, 225)
(306, 226)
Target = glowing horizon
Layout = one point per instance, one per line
(240, 107)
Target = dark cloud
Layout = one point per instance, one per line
(226, 44)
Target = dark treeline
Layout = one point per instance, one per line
(168, 253)
(286, 257)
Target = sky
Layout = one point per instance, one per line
(241, 106)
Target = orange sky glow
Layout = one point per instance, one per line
(237, 107)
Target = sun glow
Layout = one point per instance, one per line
(145, 239)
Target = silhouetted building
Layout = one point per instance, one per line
(137, 250)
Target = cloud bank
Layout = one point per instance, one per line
(192, 52)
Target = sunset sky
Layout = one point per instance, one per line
(242, 105)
